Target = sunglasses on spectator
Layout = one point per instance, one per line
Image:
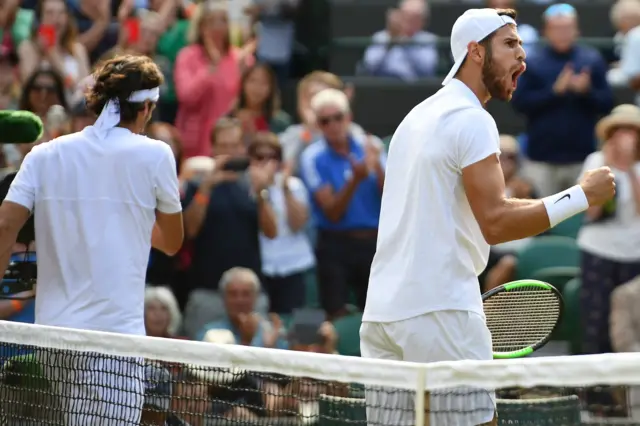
(509, 156)
(260, 156)
(323, 121)
(41, 87)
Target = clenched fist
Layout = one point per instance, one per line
(598, 185)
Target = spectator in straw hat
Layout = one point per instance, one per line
(610, 240)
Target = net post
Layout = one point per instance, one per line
(420, 396)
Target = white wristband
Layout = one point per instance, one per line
(565, 204)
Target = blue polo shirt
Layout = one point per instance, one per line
(320, 165)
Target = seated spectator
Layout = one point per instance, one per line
(287, 257)
(55, 44)
(403, 50)
(223, 216)
(190, 405)
(624, 329)
(277, 33)
(624, 320)
(43, 89)
(9, 83)
(345, 177)
(298, 136)
(162, 317)
(502, 263)
(625, 17)
(610, 240)
(16, 23)
(258, 106)
(240, 288)
(207, 76)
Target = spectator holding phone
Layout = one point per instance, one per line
(54, 42)
(207, 76)
(224, 214)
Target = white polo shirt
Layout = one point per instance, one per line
(430, 248)
(95, 203)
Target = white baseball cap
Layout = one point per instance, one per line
(472, 25)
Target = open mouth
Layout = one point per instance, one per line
(517, 73)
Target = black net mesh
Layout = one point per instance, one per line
(46, 384)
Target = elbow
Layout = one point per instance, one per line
(491, 228)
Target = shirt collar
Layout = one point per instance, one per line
(464, 90)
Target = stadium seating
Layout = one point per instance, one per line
(555, 411)
(545, 252)
(348, 329)
(571, 316)
(311, 282)
(557, 276)
(568, 228)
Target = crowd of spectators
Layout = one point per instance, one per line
(281, 208)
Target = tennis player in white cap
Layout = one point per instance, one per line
(443, 204)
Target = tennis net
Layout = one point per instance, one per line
(57, 376)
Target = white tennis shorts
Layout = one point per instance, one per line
(93, 389)
(432, 337)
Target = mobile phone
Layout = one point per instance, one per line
(305, 326)
(47, 34)
(132, 26)
(238, 164)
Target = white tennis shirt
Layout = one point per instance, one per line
(430, 248)
(95, 203)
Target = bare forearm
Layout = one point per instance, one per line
(91, 38)
(267, 219)
(341, 201)
(380, 177)
(297, 213)
(635, 186)
(194, 216)
(516, 219)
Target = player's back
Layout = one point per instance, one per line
(430, 248)
(94, 213)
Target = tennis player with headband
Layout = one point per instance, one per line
(96, 195)
(443, 204)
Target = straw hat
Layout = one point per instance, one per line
(509, 144)
(623, 115)
(217, 375)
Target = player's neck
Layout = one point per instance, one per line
(132, 127)
(477, 87)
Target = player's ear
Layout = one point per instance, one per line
(476, 52)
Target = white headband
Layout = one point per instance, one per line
(110, 115)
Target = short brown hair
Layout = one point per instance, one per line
(330, 80)
(511, 13)
(267, 140)
(223, 124)
(117, 78)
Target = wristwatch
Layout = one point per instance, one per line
(264, 195)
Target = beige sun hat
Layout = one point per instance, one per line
(217, 375)
(509, 144)
(623, 115)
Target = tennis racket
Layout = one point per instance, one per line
(521, 316)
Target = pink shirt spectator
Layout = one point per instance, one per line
(204, 96)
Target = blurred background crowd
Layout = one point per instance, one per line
(280, 112)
